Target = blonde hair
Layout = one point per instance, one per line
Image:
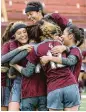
(42, 30)
(48, 29)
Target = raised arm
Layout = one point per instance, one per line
(60, 20)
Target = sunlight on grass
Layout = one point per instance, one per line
(83, 103)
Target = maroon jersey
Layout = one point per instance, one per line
(33, 86)
(56, 78)
(61, 21)
(76, 69)
(7, 47)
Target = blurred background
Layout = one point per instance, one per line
(74, 10)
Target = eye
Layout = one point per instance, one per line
(19, 33)
(30, 14)
(24, 31)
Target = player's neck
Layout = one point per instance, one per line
(71, 44)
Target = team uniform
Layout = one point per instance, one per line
(56, 18)
(6, 83)
(34, 93)
(31, 91)
(76, 68)
(57, 79)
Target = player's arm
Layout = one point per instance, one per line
(26, 71)
(8, 56)
(70, 60)
(60, 49)
(60, 20)
(30, 66)
(21, 55)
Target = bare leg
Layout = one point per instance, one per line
(4, 108)
(13, 106)
(55, 110)
(74, 108)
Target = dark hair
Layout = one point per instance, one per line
(78, 34)
(35, 32)
(5, 36)
(43, 29)
(36, 4)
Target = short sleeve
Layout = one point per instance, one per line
(76, 52)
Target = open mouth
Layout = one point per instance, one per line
(24, 38)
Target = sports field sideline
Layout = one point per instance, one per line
(83, 102)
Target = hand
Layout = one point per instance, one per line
(44, 59)
(14, 65)
(58, 38)
(27, 47)
(58, 49)
(17, 67)
(4, 69)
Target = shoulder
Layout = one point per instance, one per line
(9, 42)
(39, 45)
(8, 46)
(76, 51)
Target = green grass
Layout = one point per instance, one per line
(83, 103)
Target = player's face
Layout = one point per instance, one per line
(33, 16)
(21, 36)
(65, 37)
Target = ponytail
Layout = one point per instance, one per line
(78, 34)
(81, 37)
(6, 36)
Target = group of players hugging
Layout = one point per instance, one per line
(41, 63)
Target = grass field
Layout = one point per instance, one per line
(83, 102)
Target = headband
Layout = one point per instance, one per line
(15, 28)
(32, 8)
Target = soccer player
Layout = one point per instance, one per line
(61, 82)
